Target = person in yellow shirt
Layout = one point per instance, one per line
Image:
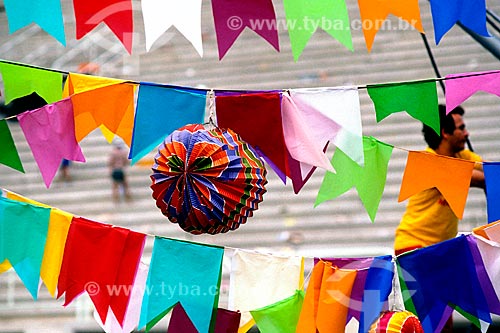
(428, 218)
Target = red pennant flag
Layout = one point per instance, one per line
(226, 321)
(102, 260)
(116, 14)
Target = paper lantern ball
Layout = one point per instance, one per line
(207, 181)
(397, 322)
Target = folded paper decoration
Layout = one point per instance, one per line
(397, 322)
(51, 129)
(22, 241)
(8, 151)
(98, 259)
(258, 280)
(185, 273)
(207, 181)
(451, 176)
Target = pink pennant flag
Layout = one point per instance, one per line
(50, 133)
(231, 18)
(459, 87)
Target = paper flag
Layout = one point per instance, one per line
(280, 317)
(307, 16)
(490, 231)
(490, 254)
(54, 246)
(20, 80)
(340, 105)
(471, 13)
(245, 113)
(492, 180)
(50, 133)
(116, 14)
(451, 176)
(47, 14)
(459, 87)
(232, 17)
(100, 259)
(115, 109)
(368, 180)
(160, 15)
(22, 241)
(374, 13)
(227, 321)
(180, 322)
(8, 151)
(193, 279)
(160, 111)
(426, 274)
(419, 100)
(134, 307)
(258, 280)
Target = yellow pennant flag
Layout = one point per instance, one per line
(451, 176)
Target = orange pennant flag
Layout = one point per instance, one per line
(374, 12)
(101, 102)
(451, 176)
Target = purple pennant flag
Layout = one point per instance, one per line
(50, 133)
(231, 17)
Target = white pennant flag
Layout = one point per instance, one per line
(160, 15)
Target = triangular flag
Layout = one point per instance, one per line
(115, 108)
(459, 87)
(160, 111)
(160, 15)
(50, 133)
(451, 176)
(232, 17)
(374, 13)
(307, 16)
(180, 322)
(54, 246)
(368, 180)
(490, 254)
(116, 14)
(227, 321)
(247, 112)
(492, 180)
(47, 14)
(251, 287)
(22, 241)
(8, 151)
(340, 105)
(100, 259)
(280, 317)
(20, 80)
(193, 279)
(471, 13)
(419, 100)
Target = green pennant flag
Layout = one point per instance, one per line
(419, 100)
(280, 317)
(8, 152)
(368, 180)
(20, 80)
(304, 17)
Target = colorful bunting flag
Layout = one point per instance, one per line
(492, 180)
(490, 254)
(251, 287)
(180, 322)
(51, 129)
(8, 151)
(374, 13)
(419, 100)
(193, 279)
(368, 180)
(227, 321)
(22, 241)
(459, 87)
(471, 14)
(21, 80)
(306, 17)
(232, 17)
(160, 15)
(160, 111)
(116, 14)
(451, 176)
(100, 259)
(280, 317)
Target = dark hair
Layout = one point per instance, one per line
(446, 123)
